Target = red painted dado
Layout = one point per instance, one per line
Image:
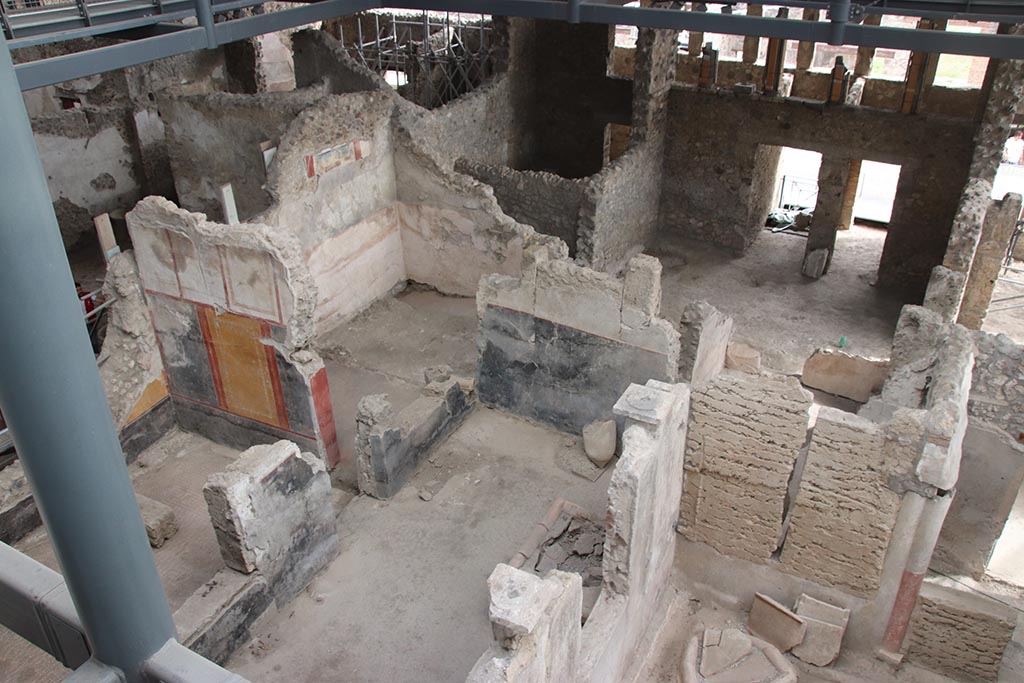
(903, 607)
(325, 417)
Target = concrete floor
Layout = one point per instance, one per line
(173, 472)
(406, 600)
(775, 308)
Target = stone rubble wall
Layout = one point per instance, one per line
(997, 388)
(547, 202)
(536, 621)
(561, 343)
(746, 432)
(215, 139)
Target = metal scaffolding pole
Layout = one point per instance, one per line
(53, 400)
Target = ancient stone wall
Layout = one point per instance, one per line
(959, 633)
(746, 433)
(215, 139)
(536, 621)
(92, 162)
(844, 513)
(560, 343)
(712, 152)
(545, 201)
(997, 389)
(233, 306)
(332, 181)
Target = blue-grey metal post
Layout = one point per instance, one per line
(52, 398)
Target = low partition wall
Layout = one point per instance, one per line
(560, 344)
(536, 620)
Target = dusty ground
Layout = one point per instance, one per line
(774, 307)
(173, 472)
(406, 600)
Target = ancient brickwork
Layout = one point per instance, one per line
(997, 389)
(844, 514)
(959, 633)
(745, 434)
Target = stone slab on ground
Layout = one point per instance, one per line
(776, 624)
(159, 520)
(704, 336)
(746, 660)
(845, 374)
(826, 625)
(743, 357)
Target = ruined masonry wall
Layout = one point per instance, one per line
(562, 342)
(333, 184)
(745, 435)
(958, 633)
(232, 306)
(545, 201)
(997, 389)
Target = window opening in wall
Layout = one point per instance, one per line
(876, 192)
(963, 71)
(431, 58)
(1005, 564)
(890, 64)
(797, 184)
(625, 36)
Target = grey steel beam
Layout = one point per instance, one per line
(97, 29)
(99, 60)
(247, 27)
(52, 398)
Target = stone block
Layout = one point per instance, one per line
(159, 520)
(390, 447)
(599, 441)
(815, 262)
(844, 374)
(776, 624)
(826, 625)
(945, 291)
(642, 286)
(271, 511)
(704, 337)
(218, 618)
(743, 357)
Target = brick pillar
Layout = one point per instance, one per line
(850, 195)
(776, 60)
(805, 50)
(821, 240)
(751, 43)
